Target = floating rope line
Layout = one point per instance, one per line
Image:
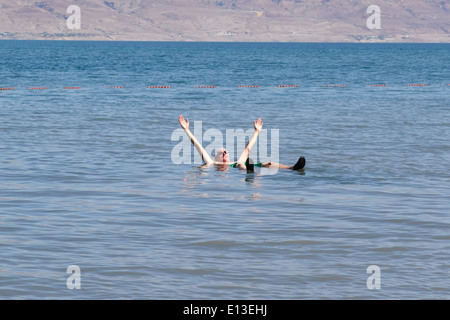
(241, 86)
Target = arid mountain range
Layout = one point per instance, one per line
(228, 20)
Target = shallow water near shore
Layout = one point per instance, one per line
(87, 177)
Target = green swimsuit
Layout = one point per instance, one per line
(233, 165)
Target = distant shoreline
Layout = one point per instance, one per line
(210, 41)
(306, 21)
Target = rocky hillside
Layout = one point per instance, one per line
(228, 20)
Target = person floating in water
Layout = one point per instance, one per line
(222, 157)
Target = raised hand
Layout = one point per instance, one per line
(258, 124)
(244, 155)
(184, 123)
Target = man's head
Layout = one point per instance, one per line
(222, 156)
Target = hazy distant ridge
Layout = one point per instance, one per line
(228, 20)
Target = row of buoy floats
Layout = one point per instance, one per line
(239, 86)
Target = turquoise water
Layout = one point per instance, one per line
(87, 178)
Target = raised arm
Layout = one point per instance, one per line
(185, 125)
(258, 126)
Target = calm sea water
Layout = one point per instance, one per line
(87, 179)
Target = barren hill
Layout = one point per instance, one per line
(228, 20)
